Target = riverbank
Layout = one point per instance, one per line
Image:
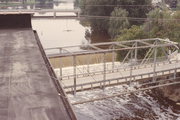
(171, 94)
(166, 101)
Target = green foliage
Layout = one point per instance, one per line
(116, 24)
(105, 24)
(163, 24)
(136, 11)
(135, 32)
(160, 24)
(87, 9)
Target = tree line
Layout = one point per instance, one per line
(130, 19)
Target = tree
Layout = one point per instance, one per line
(136, 8)
(101, 8)
(135, 32)
(94, 8)
(116, 24)
(160, 24)
(99, 26)
(163, 24)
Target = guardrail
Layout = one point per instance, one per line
(123, 80)
(117, 68)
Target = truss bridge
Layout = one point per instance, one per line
(145, 64)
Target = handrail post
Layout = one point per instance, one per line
(136, 50)
(113, 58)
(88, 62)
(74, 74)
(78, 14)
(155, 59)
(175, 69)
(131, 65)
(60, 65)
(54, 14)
(104, 73)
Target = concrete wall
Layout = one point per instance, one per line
(15, 21)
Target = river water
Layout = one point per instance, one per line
(60, 32)
(146, 105)
(140, 106)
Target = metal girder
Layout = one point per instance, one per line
(94, 47)
(118, 46)
(129, 52)
(67, 50)
(146, 43)
(122, 45)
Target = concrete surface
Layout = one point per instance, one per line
(26, 90)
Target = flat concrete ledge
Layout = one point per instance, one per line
(29, 89)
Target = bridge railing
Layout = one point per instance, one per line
(84, 71)
(127, 80)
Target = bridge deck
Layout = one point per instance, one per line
(27, 91)
(118, 76)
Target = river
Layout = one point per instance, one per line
(140, 106)
(60, 32)
(147, 105)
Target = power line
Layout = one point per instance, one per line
(130, 18)
(89, 5)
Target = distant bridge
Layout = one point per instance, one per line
(54, 11)
(152, 70)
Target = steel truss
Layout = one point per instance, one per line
(132, 47)
(111, 47)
